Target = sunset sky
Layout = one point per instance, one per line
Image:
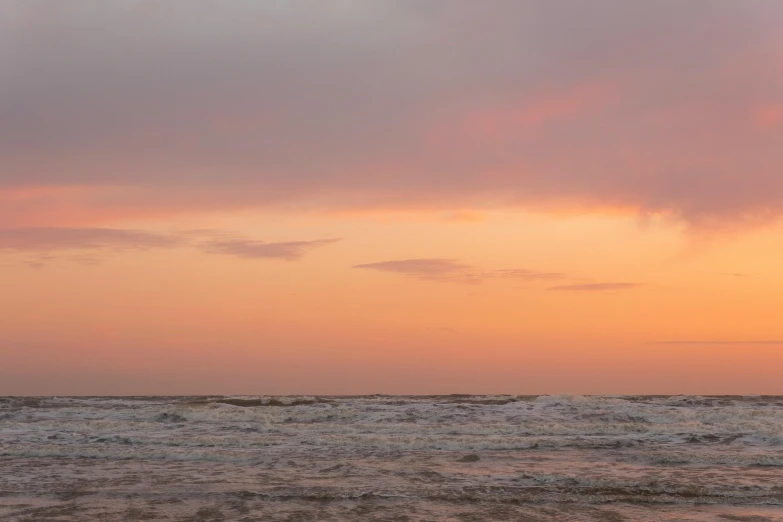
(391, 196)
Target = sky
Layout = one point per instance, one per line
(391, 196)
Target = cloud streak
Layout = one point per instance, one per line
(456, 271)
(718, 343)
(85, 245)
(595, 287)
(44, 239)
(428, 269)
(248, 249)
(528, 275)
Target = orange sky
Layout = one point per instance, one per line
(357, 198)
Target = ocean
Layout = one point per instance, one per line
(393, 458)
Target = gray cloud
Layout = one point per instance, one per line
(452, 270)
(595, 287)
(664, 106)
(432, 269)
(249, 249)
(44, 239)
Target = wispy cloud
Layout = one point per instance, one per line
(595, 287)
(528, 275)
(39, 262)
(87, 245)
(719, 343)
(431, 269)
(453, 270)
(250, 249)
(45, 239)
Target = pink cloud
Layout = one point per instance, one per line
(507, 120)
(768, 117)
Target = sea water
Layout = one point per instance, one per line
(401, 458)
